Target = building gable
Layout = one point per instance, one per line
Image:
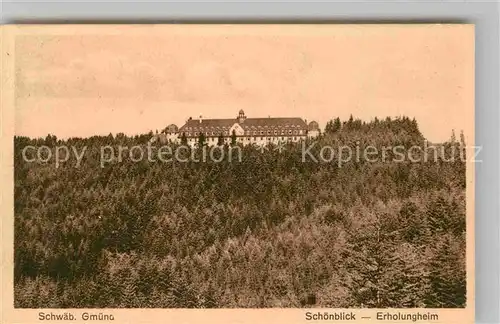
(238, 130)
(263, 127)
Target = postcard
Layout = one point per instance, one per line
(238, 173)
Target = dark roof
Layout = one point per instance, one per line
(313, 126)
(249, 123)
(172, 128)
(273, 122)
(209, 123)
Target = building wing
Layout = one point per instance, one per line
(252, 126)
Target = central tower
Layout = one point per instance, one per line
(241, 116)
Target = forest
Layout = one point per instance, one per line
(267, 231)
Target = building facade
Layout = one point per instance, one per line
(258, 131)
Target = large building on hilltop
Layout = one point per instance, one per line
(259, 131)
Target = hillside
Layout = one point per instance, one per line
(269, 231)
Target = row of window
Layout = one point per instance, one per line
(248, 139)
(290, 132)
(252, 127)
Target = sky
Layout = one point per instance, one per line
(96, 80)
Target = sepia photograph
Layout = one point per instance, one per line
(241, 167)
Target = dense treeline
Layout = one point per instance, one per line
(269, 231)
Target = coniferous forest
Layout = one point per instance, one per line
(269, 231)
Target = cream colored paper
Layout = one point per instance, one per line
(84, 80)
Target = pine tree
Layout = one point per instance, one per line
(366, 258)
(462, 138)
(329, 129)
(404, 284)
(333, 126)
(438, 215)
(412, 222)
(184, 139)
(453, 138)
(447, 275)
(337, 124)
(350, 122)
(233, 138)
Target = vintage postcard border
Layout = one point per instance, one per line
(11, 315)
